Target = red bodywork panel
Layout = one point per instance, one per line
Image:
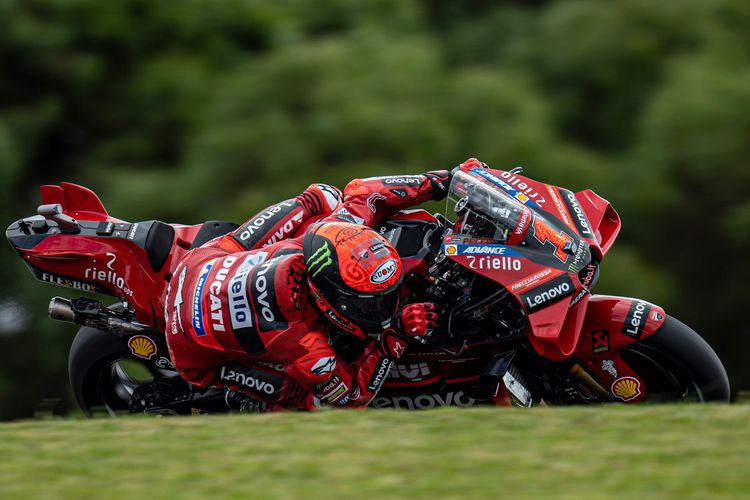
(114, 265)
(558, 234)
(611, 324)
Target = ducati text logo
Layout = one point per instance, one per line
(635, 321)
(547, 293)
(214, 291)
(384, 272)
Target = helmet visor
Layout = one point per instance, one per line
(372, 313)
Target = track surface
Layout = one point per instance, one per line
(649, 452)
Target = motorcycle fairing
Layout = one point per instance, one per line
(611, 324)
(77, 201)
(543, 267)
(132, 261)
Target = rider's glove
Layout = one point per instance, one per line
(416, 320)
(412, 321)
(469, 164)
(440, 180)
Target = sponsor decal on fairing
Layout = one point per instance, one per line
(635, 321)
(109, 275)
(530, 280)
(609, 366)
(56, 279)
(548, 293)
(600, 341)
(522, 192)
(142, 346)
(579, 217)
(494, 263)
(424, 401)
(413, 372)
(164, 363)
(626, 388)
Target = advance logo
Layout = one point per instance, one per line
(548, 293)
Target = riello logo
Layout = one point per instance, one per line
(108, 275)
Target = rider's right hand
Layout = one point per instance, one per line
(416, 320)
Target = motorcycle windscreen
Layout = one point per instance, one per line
(506, 236)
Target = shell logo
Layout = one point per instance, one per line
(626, 388)
(142, 346)
(522, 197)
(451, 250)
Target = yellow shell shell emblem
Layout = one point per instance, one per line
(142, 346)
(451, 249)
(626, 388)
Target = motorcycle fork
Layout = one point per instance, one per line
(588, 381)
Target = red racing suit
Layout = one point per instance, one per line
(238, 310)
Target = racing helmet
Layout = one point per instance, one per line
(354, 275)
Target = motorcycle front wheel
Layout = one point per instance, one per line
(676, 364)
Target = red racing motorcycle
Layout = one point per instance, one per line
(512, 268)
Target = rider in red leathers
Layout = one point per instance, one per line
(251, 310)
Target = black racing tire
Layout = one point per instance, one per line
(97, 376)
(676, 364)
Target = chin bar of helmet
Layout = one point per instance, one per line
(91, 313)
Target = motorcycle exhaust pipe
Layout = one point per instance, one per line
(61, 309)
(91, 313)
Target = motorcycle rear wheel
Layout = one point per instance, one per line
(103, 372)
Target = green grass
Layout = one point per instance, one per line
(645, 452)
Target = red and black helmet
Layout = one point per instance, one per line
(354, 275)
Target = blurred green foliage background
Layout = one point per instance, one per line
(211, 109)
